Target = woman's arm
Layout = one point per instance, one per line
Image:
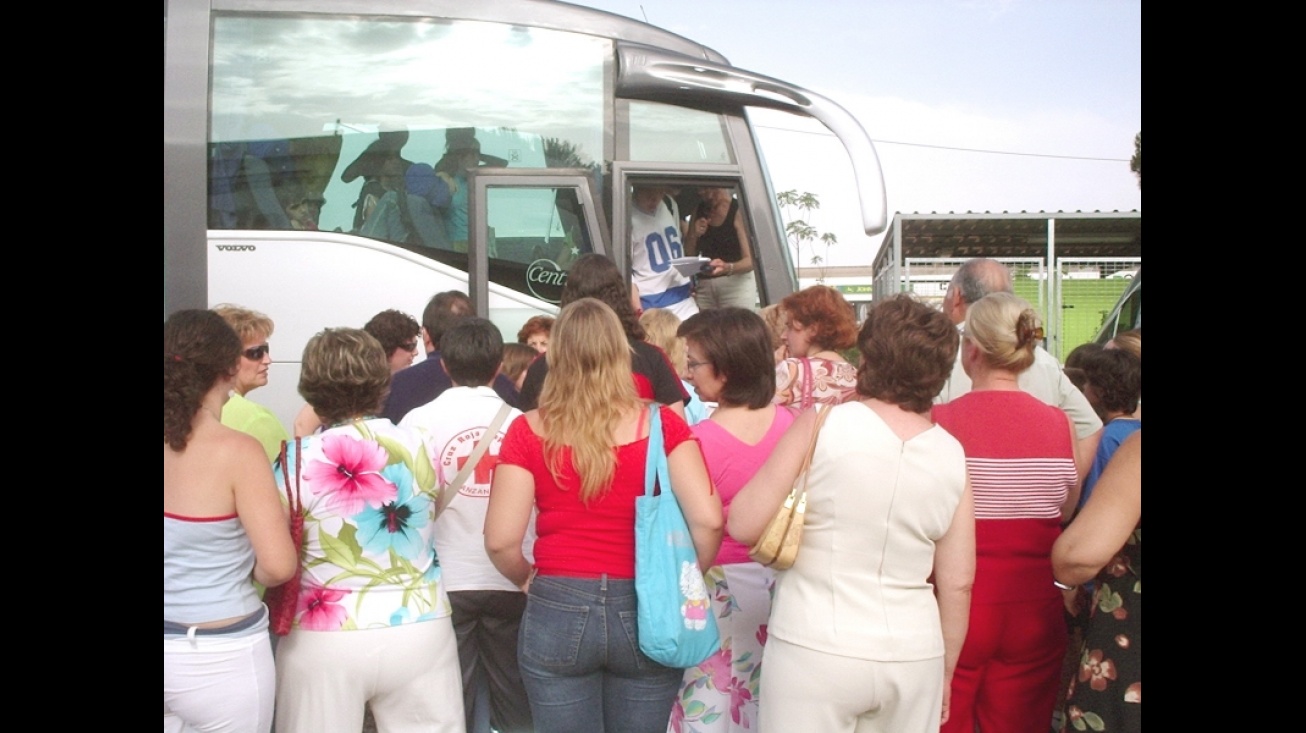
(755, 504)
(512, 496)
(694, 230)
(786, 382)
(1082, 464)
(258, 504)
(698, 500)
(745, 263)
(306, 422)
(1106, 521)
(954, 575)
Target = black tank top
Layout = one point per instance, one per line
(722, 242)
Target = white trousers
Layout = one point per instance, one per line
(408, 674)
(219, 683)
(803, 689)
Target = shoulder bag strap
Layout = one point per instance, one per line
(654, 449)
(808, 384)
(292, 495)
(811, 447)
(482, 445)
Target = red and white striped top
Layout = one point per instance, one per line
(1021, 460)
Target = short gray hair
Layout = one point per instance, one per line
(979, 276)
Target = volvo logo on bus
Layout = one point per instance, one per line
(236, 247)
(545, 280)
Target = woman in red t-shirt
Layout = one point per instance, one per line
(579, 459)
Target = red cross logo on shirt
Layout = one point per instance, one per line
(484, 468)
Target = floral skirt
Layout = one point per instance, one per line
(720, 694)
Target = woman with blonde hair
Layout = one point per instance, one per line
(222, 525)
(596, 276)
(579, 460)
(660, 327)
(1020, 454)
(819, 324)
(373, 623)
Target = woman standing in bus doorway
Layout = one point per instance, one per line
(222, 522)
(717, 231)
(579, 459)
(1020, 454)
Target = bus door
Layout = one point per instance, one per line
(526, 226)
(773, 273)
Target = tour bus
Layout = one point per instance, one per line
(287, 121)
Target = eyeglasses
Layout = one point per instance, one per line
(692, 365)
(411, 346)
(256, 353)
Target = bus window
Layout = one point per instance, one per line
(534, 235)
(670, 134)
(300, 104)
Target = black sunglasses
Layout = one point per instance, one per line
(256, 353)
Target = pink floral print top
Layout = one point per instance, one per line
(368, 493)
(801, 382)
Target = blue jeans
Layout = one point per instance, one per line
(580, 660)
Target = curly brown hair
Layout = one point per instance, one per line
(394, 329)
(596, 276)
(199, 348)
(822, 307)
(345, 374)
(1117, 379)
(908, 349)
(534, 325)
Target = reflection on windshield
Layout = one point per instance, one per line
(314, 121)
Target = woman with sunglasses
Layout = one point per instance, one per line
(240, 413)
(222, 524)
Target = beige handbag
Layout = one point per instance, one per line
(778, 546)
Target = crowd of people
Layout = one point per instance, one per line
(970, 559)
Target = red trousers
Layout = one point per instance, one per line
(1008, 678)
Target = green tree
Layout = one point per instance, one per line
(799, 232)
(1136, 162)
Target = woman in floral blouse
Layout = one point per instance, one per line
(818, 324)
(373, 623)
(1106, 541)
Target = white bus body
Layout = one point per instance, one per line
(268, 104)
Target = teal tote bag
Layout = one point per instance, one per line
(676, 625)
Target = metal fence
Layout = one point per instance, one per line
(1073, 299)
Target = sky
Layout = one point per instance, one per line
(973, 105)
